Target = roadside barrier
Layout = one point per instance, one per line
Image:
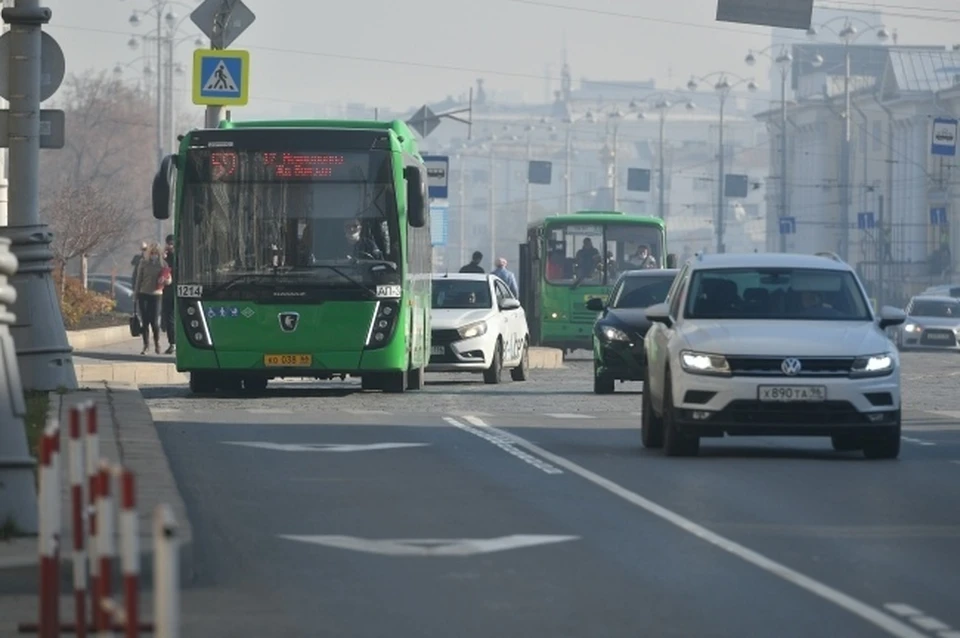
(96, 525)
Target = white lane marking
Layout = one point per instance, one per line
(504, 444)
(323, 447)
(567, 415)
(921, 620)
(268, 411)
(358, 412)
(871, 614)
(432, 546)
(917, 441)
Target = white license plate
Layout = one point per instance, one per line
(436, 350)
(938, 337)
(788, 393)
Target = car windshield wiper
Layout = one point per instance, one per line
(245, 277)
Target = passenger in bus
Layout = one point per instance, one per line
(555, 266)
(587, 260)
(359, 244)
(642, 259)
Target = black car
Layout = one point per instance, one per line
(619, 330)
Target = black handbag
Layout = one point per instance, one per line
(136, 327)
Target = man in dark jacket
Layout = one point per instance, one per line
(474, 265)
(166, 303)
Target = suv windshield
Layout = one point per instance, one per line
(461, 294)
(935, 308)
(642, 292)
(776, 293)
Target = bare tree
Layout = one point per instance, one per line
(107, 164)
(86, 218)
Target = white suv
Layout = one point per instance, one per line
(771, 344)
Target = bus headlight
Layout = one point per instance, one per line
(383, 324)
(195, 324)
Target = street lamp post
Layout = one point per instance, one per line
(723, 87)
(848, 34)
(662, 104)
(568, 169)
(783, 60)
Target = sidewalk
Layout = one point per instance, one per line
(127, 436)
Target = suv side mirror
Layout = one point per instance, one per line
(417, 200)
(671, 260)
(509, 304)
(163, 186)
(659, 313)
(890, 316)
(596, 304)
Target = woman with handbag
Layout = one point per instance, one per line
(153, 275)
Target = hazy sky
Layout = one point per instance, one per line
(393, 53)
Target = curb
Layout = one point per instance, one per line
(96, 337)
(130, 373)
(546, 358)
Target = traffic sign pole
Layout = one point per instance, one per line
(222, 21)
(43, 353)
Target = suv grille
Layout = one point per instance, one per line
(760, 413)
(809, 366)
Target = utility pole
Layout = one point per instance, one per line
(720, 247)
(881, 243)
(462, 205)
(160, 74)
(783, 156)
(661, 200)
(3, 152)
(493, 209)
(568, 176)
(845, 161)
(214, 112)
(44, 355)
(528, 199)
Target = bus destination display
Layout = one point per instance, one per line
(228, 166)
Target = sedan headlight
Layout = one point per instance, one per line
(876, 365)
(701, 363)
(912, 327)
(472, 330)
(613, 334)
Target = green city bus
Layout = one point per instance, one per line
(569, 259)
(302, 251)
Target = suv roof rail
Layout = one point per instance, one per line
(830, 255)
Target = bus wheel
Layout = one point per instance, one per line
(415, 379)
(395, 382)
(203, 383)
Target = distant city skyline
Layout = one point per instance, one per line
(307, 55)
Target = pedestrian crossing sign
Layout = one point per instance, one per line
(221, 77)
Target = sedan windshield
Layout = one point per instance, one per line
(460, 294)
(776, 293)
(642, 292)
(935, 308)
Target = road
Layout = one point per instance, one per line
(530, 509)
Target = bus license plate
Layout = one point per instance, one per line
(788, 393)
(288, 360)
(436, 351)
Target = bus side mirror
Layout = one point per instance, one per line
(417, 200)
(163, 186)
(671, 260)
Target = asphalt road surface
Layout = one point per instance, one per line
(530, 509)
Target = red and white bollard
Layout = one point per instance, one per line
(166, 574)
(106, 549)
(78, 522)
(49, 537)
(93, 489)
(129, 552)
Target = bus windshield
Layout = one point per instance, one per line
(595, 254)
(317, 216)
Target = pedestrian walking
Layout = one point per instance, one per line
(167, 321)
(474, 265)
(506, 276)
(153, 275)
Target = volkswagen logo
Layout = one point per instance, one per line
(790, 367)
(289, 321)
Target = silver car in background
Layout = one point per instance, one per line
(933, 322)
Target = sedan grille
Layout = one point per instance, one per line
(444, 337)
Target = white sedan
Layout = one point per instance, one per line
(478, 326)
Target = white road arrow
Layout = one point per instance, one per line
(431, 546)
(322, 447)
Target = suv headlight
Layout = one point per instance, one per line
(912, 327)
(876, 365)
(472, 330)
(702, 363)
(613, 334)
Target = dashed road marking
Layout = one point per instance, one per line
(920, 619)
(568, 415)
(873, 615)
(918, 441)
(496, 437)
(268, 411)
